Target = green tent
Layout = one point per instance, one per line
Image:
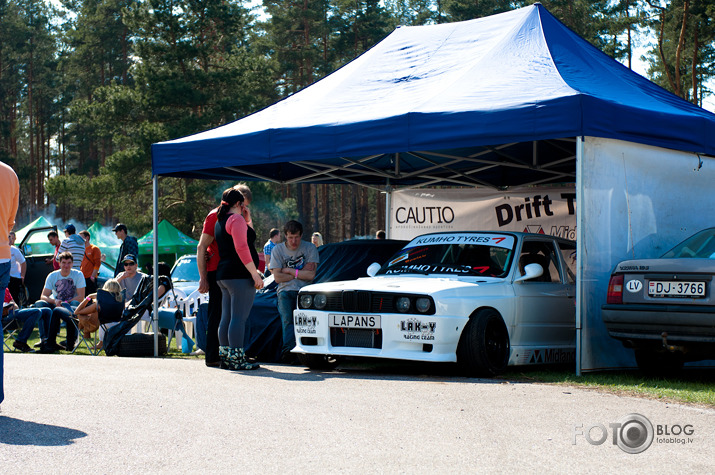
(106, 241)
(38, 241)
(95, 229)
(172, 243)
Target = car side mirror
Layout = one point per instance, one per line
(531, 271)
(373, 269)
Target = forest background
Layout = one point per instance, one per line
(86, 86)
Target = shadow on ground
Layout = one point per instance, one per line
(18, 432)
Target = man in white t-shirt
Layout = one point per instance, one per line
(18, 267)
(64, 289)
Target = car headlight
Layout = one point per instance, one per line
(403, 304)
(320, 301)
(423, 304)
(306, 300)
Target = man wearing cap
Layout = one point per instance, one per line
(129, 279)
(73, 244)
(129, 246)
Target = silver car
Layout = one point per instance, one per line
(664, 308)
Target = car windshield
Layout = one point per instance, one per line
(700, 245)
(185, 270)
(469, 254)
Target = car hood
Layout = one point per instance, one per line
(187, 287)
(667, 265)
(426, 285)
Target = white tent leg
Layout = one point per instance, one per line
(580, 255)
(388, 205)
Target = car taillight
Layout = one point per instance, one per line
(615, 289)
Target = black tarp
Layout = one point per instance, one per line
(346, 260)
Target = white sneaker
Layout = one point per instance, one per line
(197, 352)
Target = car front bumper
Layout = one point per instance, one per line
(399, 336)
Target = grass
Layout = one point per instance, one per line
(691, 386)
(82, 349)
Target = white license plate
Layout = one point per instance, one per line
(354, 321)
(658, 288)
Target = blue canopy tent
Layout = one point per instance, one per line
(509, 100)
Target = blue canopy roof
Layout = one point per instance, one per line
(457, 103)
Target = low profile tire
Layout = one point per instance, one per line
(484, 345)
(322, 362)
(656, 363)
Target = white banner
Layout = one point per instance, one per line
(545, 210)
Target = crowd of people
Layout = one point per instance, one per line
(228, 265)
(70, 290)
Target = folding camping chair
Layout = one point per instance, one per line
(110, 312)
(80, 334)
(10, 328)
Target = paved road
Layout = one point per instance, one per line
(70, 414)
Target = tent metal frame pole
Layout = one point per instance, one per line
(388, 205)
(580, 254)
(155, 260)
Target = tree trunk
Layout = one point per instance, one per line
(380, 201)
(353, 210)
(325, 192)
(316, 208)
(299, 202)
(694, 72)
(679, 51)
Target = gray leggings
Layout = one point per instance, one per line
(237, 300)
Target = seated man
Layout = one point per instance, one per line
(64, 289)
(129, 279)
(27, 318)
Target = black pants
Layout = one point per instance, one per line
(15, 285)
(214, 312)
(91, 286)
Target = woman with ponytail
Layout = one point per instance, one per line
(237, 276)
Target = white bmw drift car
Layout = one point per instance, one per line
(481, 299)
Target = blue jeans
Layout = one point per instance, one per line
(286, 304)
(4, 280)
(63, 314)
(29, 317)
